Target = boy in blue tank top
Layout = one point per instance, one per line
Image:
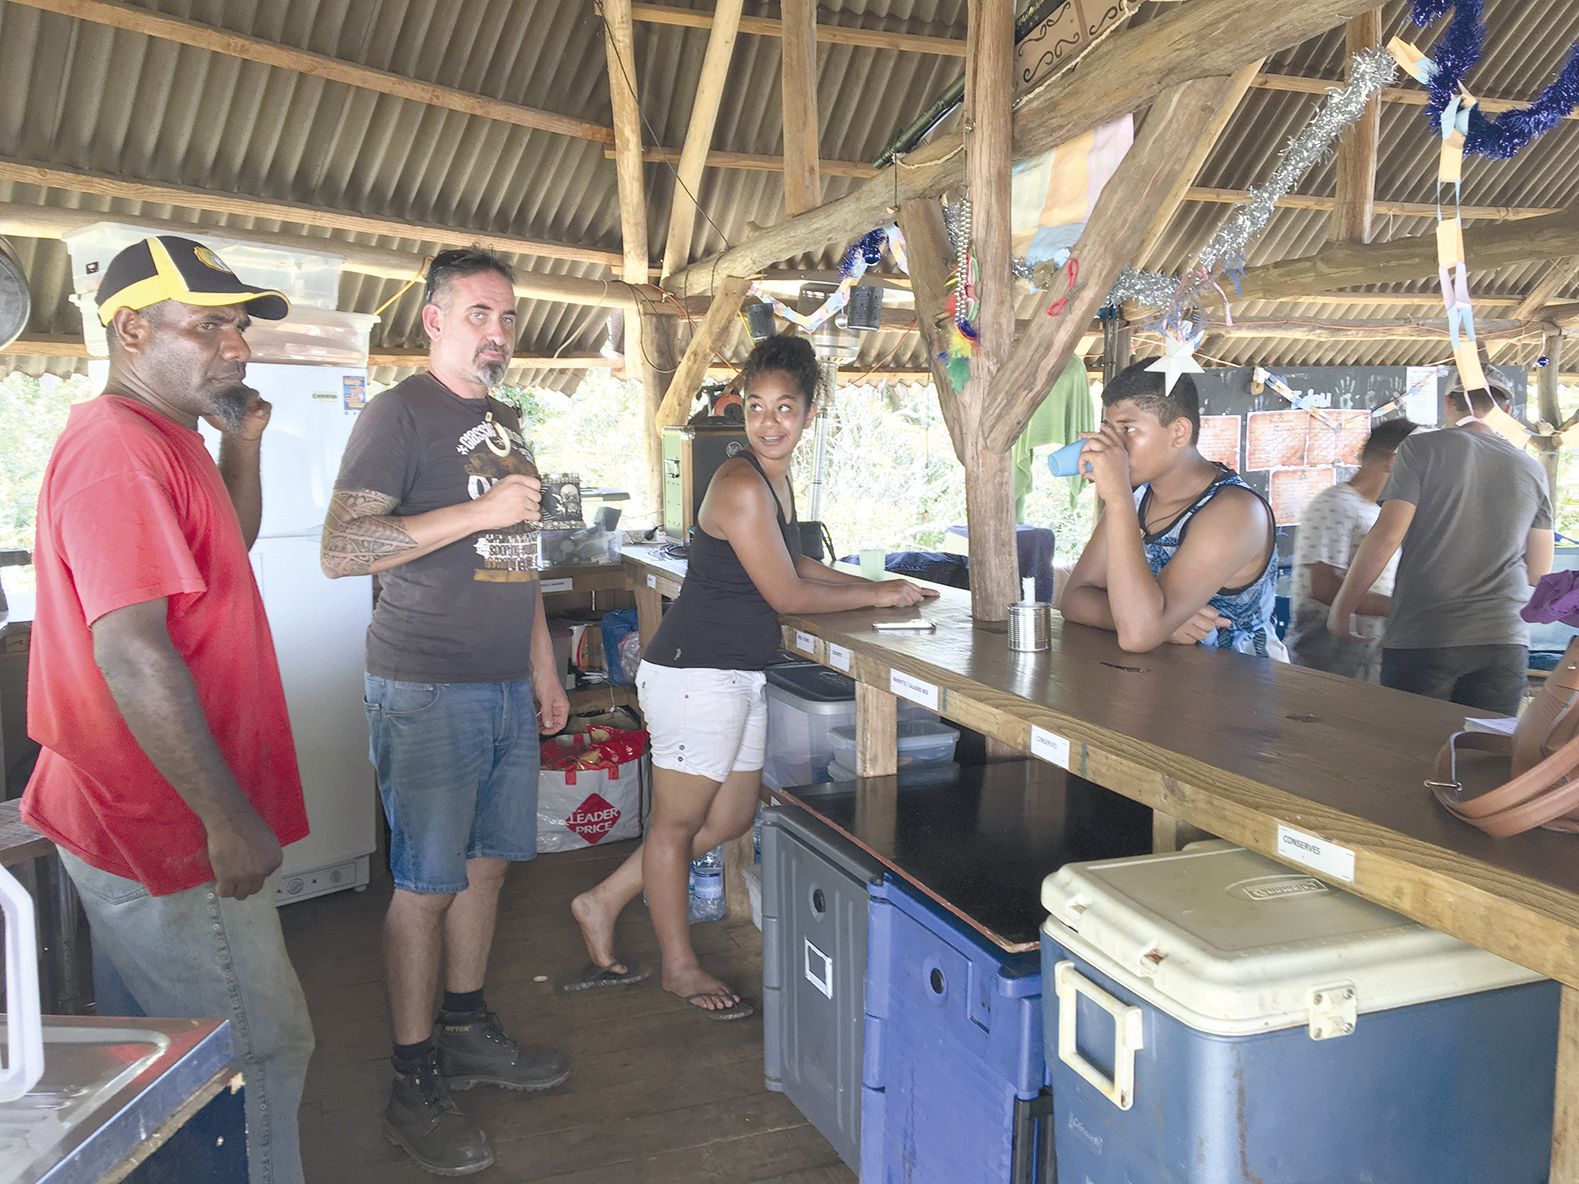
(1183, 552)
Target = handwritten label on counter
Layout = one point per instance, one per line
(652, 581)
(1321, 855)
(565, 585)
(805, 642)
(914, 689)
(838, 657)
(1051, 747)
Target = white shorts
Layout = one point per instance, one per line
(704, 721)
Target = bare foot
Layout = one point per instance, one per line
(700, 989)
(597, 929)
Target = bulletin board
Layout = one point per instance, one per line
(1291, 454)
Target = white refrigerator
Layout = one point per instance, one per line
(319, 625)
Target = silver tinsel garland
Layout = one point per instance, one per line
(1369, 72)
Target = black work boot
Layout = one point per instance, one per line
(423, 1119)
(475, 1051)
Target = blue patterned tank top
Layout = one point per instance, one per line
(1248, 608)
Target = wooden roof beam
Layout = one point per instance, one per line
(1202, 39)
(705, 342)
(135, 19)
(1542, 292)
(661, 14)
(802, 175)
(699, 134)
(1205, 142)
(1303, 85)
(1355, 203)
(1403, 209)
(1342, 265)
(297, 213)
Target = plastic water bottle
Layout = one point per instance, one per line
(707, 886)
(756, 837)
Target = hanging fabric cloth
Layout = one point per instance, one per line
(1064, 414)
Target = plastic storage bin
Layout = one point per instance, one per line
(953, 1047)
(805, 703)
(814, 885)
(921, 742)
(1215, 1016)
(913, 775)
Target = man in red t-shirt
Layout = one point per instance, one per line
(168, 777)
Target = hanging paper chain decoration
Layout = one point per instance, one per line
(1226, 250)
(1453, 270)
(1499, 137)
(865, 253)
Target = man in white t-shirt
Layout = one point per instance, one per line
(1329, 534)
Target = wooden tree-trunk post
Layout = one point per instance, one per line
(1356, 197)
(619, 43)
(989, 473)
(926, 242)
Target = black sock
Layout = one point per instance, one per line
(407, 1055)
(459, 1003)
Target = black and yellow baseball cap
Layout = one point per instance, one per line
(168, 267)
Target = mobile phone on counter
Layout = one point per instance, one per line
(914, 625)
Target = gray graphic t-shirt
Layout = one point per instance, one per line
(463, 613)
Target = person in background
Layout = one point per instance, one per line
(168, 776)
(1184, 551)
(701, 683)
(1330, 531)
(434, 494)
(1474, 519)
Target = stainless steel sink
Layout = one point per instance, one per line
(99, 1075)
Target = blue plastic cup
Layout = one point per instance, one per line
(1066, 461)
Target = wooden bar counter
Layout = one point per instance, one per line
(1318, 771)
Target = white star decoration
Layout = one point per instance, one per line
(1179, 359)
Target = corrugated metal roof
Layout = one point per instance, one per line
(86, 96)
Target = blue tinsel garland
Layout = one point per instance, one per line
(1504, 136)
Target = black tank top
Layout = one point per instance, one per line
(720, 621)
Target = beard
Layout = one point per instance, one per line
(491, 373)
(230, 406)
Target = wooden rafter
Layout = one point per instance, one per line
(926, 241)
(660, 14)
(758, 162)
(1543, 291)
(706, 338)
(1202, 149)
(699, 134)
(1198, 40)
(297, 213)
(1341, 265)
(1129, 203)
(1403, 96)
(1355, 202)
(1402, 209)
(137, 19)
(802, 175)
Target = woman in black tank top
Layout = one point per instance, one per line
(701, 682)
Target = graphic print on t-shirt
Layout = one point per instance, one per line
(494, 450)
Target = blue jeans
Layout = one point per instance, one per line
(194, 954)
(457, 768)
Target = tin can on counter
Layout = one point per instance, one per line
(1030, 626)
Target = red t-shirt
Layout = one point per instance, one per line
(133, 509)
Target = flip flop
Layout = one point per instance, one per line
(595, 976)
(738, 1010)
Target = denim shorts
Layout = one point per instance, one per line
(457, 769)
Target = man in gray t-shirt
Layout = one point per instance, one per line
(439, 495)
(1474, 518)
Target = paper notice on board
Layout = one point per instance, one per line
(1420, 401)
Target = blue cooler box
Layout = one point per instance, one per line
(953, 1046)
(1215, 1018)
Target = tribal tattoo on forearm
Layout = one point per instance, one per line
(358, 532)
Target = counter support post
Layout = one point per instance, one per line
(1565, 1128)
(876, 732)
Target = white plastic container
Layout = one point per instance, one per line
(1212, 1015)
(805, 704)
(921, 742)
(912, 776)
(24, 1025)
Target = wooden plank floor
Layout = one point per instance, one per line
(657, 1093)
